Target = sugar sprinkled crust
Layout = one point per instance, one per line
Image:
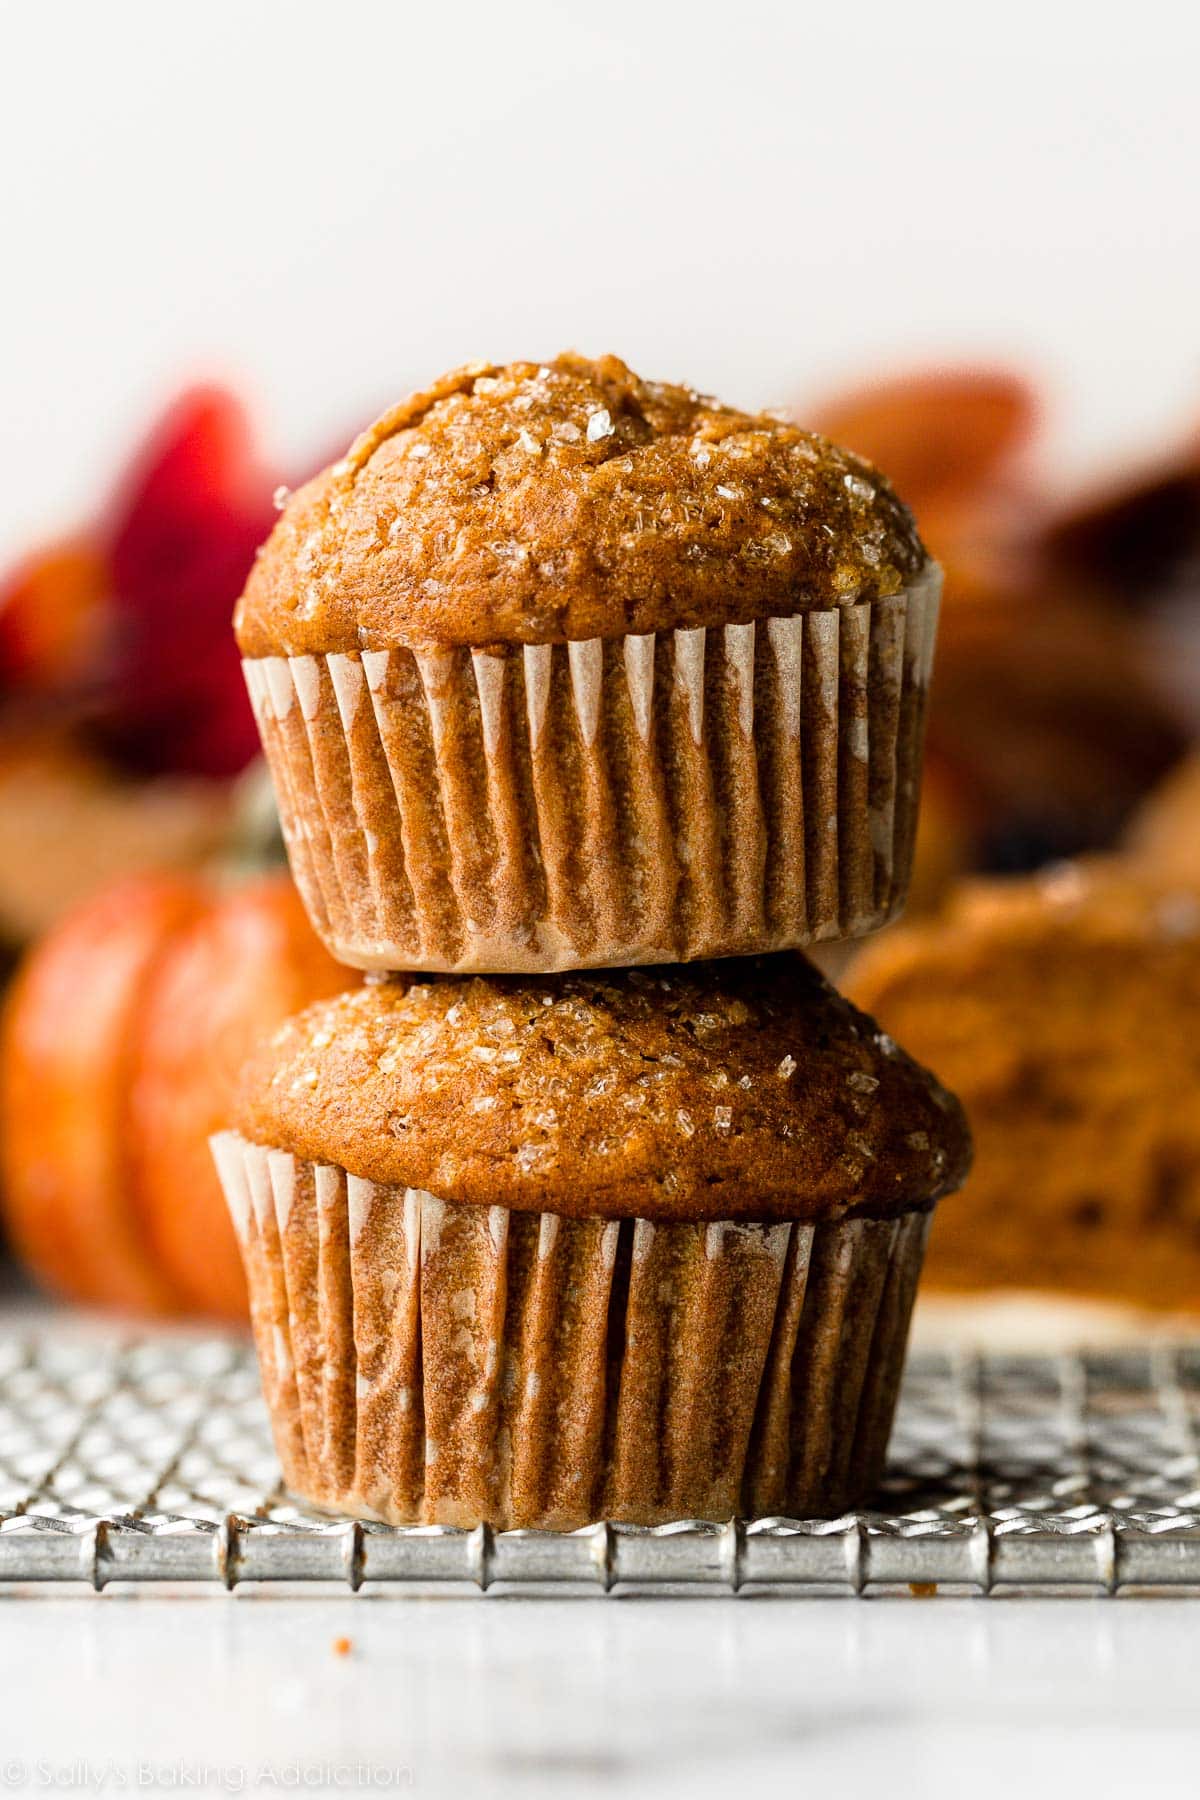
(742, 1089)
(536, 503)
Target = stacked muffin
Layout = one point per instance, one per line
(561, 671)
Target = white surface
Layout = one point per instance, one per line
(1002, 1323)
(890, 1698)
(333, 202)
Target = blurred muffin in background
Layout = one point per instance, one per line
(1164, 833)
(1063, 1009)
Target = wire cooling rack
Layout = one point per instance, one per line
(150, 1460)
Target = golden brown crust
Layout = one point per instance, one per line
(540, 503)
(743, 1089)
(1063, 1009)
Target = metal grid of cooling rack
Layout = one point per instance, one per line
(150, 1461)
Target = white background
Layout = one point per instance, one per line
(331, 202)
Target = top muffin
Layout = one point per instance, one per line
(559, 668)
(541, 503)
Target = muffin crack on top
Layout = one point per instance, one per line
(551, 502)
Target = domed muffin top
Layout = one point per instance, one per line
(740, 1089)
(534, 503)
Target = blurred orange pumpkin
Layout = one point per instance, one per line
(120, 1041)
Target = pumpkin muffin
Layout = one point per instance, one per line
(1164, 834)
(639, 1246)
(560, 668)
(1064, 1010)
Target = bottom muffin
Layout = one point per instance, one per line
(668, 1271)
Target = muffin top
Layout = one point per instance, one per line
(1066, 917)
(533, 503)
(741, 1089)
(1082, 978)
(1063, 1007)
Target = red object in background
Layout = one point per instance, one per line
(194, 509)
(127, 625)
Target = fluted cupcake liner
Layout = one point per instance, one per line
(431, 1362)
(649, 798)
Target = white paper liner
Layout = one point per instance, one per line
(430, 1362)
(608, 802)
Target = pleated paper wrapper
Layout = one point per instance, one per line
(605, 802)
(438, 1363)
